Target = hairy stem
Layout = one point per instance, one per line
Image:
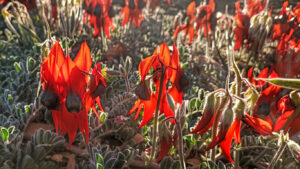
(180, 144)
(156, 114)
(277, 155)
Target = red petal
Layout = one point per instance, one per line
(145, 66)
(260, 125)
(149, 108)
(83, 59)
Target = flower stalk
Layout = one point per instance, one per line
(155, 125)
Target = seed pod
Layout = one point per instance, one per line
(50, 99)
(295, 149)
(73, 103)
(131, 4)
(251, 98)
(239, 109)
(141, 4)
(100, 89)
(142, 91)
(207, 116)
(294, 95)
(226, 121)
(284, 82)
(97, 10)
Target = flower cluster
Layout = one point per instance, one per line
(131, 11)
(205, 19)
(100, 14)
(166, 68)
(68, 91)
(286, 31)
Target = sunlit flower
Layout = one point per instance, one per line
(132, 12)
(100, 14)
(65, 89)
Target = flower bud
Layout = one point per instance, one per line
(142, 91)
(239, 109)
(50, 99)
(295, 149)
(294, 95)
(226, 121)
(208, 115)
(251, 98)
(73, 103)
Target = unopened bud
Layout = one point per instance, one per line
(295, 149)
(239, 109)
(295, 97)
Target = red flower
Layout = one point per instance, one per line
(65, 89)
(269, 93)
(241, 31)
(206, 18)
(132, 12)
(100, 14)
(255, 6)
(166, 67)
(188, 28)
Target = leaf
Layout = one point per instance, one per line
(4, 134)
(17, 67)
(108, 156)
(99, 159)
(99, 166)
(288, 83)
(110, 163)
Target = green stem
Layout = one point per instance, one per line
(156, 114)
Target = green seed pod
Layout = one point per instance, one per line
(295, 96)
(239, 109)
(251, 98)
(284, 82)
(295, 149)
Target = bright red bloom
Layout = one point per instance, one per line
(188, 28)
(165, 66)
(132, 12)
(65, 89)
(206, 18)
(255, 6)
(100, 14)
(241, 31)
(269, 93)
(286, 33)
